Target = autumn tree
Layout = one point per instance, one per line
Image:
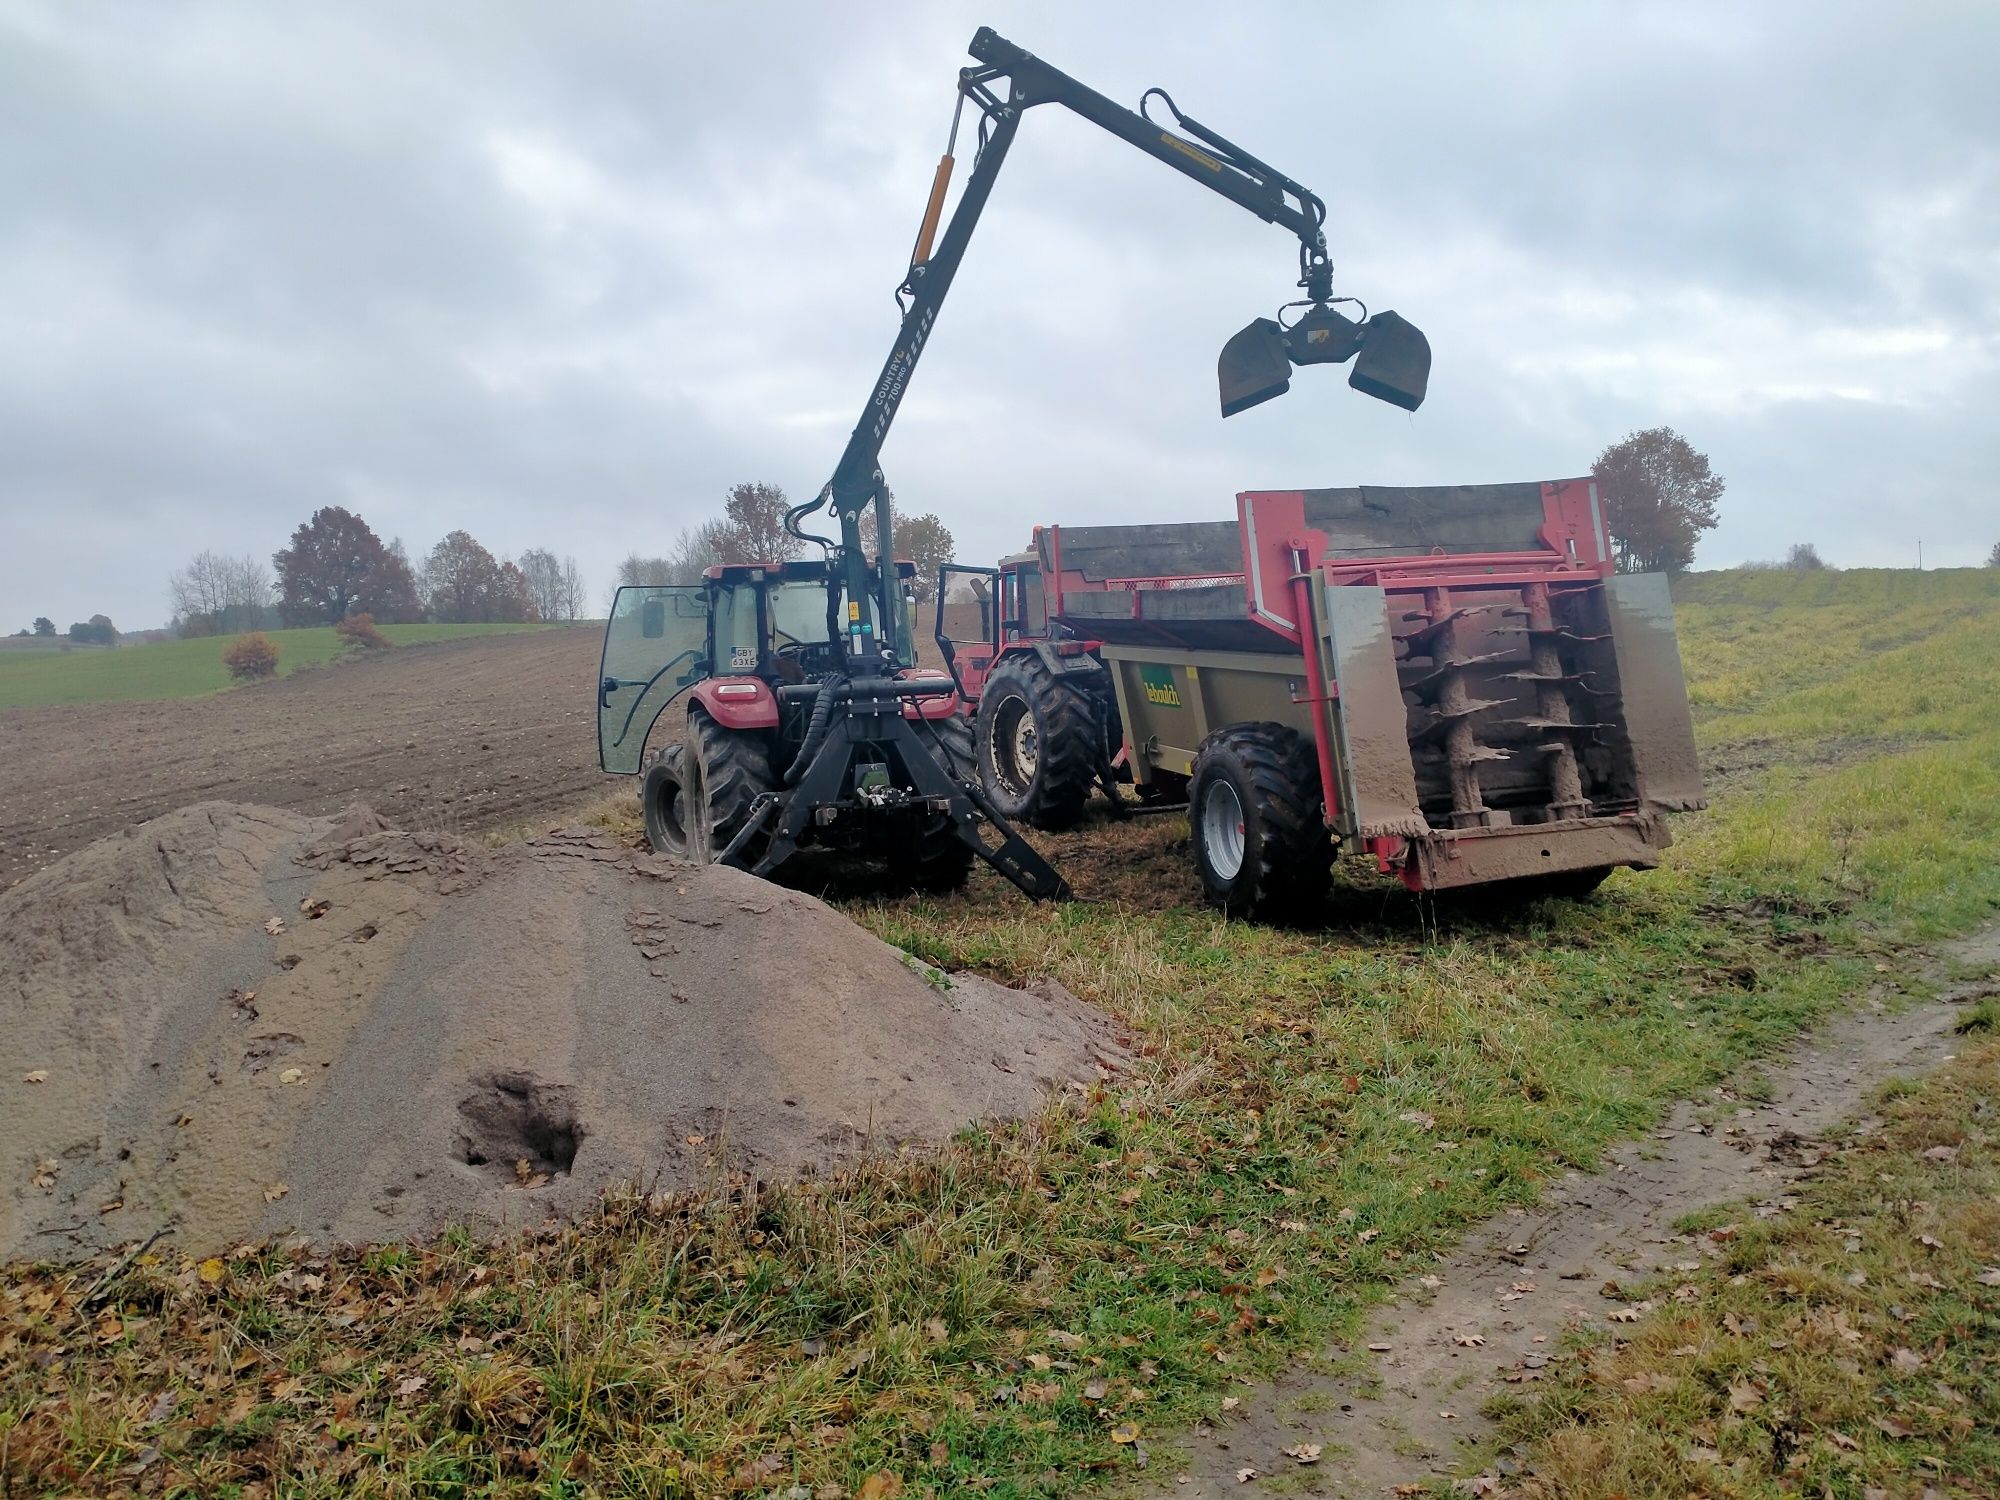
(45, 627)
(554, 584)
(336, 566)
(464, 584)
(753, 525)
(1659, 496)
(923, 540)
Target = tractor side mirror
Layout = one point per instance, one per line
(653, 619)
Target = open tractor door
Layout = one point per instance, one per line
(821, 732)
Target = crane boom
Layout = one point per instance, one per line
(1255, 364)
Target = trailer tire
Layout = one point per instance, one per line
(663, 801)
(734, 767)
(1260, 843)
(1039, 744)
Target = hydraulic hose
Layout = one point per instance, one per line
(816, 727)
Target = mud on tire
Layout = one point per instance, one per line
(1039, 744)
(1254, 813)
(732, 767)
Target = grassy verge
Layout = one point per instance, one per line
(178, 669)
(1846, 1347)
(1015, 1313)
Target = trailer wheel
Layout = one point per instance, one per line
(664, 800)
(1038, 744)
(1260, 845)
(734, 767)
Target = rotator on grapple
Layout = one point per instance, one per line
(806, 723)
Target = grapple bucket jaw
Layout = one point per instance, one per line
(1392, 360)
(1254, 367)
(1394, 364)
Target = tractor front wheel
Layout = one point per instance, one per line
(1039, 740)
(1254, 810)
(733, 767)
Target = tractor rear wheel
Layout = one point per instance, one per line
(1254, 810)
(1039, 744)
(666, 801)
(960, 741)
(936, 859)
(733, 767)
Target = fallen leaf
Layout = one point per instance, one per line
(884, 1486)
(1125, 1432)
(1244, 1476)
(1905, 1361)
(1230, 1403)
(1744, 1396)
(1305, 1453)
(1418, 1118)
(40, 1075)
(1842, 1440)
(1468, 1340)
(292, 1075)
(1930, 1242)
(1380, 1348)
(1623, 1315)
(409, 1385)
(275, 926)
(313, 909)
(1988, 1277)
(1941, 1153)
(1892, 1428)
(275, 1191)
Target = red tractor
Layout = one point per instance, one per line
(806, 722)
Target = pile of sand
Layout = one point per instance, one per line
(245, 1024)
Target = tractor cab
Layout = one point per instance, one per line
(766, 622)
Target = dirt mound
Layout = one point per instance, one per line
(244, 1023)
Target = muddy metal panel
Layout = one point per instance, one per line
(1171, 700)
(1378, 791)
(1654, 692)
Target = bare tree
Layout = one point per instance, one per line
(214, 595)
(553, 583)
(1993, 557)
(1804, 558)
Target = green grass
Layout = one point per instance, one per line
(178, 669)
(1846, 1347)
(991, 1317)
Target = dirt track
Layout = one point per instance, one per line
(461, 735)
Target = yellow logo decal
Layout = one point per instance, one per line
(1158, 683)
(1193, 152)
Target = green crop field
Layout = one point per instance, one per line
(33, 678)
(1028, 1310)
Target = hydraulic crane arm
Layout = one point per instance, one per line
(1256, 363)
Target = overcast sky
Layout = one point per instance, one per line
(559, 274)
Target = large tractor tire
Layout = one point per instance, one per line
(732, 767)
(958, 739)
(1039, 744)
(666, 801)
(1255, 812)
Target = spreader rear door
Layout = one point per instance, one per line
(655, 644)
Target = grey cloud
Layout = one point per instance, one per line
(559, 277)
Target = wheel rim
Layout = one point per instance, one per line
(1222, 829)
(1015, 752)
